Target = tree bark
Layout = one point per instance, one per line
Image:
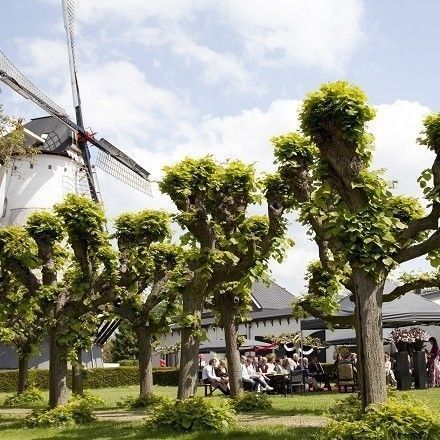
(77, 375)
(190, 344)
(371, 368)
(144, 339)
(232, 353)
(23, 374)
(57, 372)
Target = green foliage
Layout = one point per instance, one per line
(29, 397)
(346, 409)
(83, 218)
(294, 149)
(76, 411)
(45, 225)
(252, 402)
(395, 420)
(295, 338)
(147, 401)
(338, 108)
(431, 133)
(93, 378)
(16, 244)
(12, 139)
(91, 399)
(124, 344)
(143, 227)
(193, 414)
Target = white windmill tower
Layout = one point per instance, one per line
(63, 165)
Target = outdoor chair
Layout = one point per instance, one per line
(209, 389)
(296, 381)
(345, 376)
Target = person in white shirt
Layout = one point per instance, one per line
(248, 383)
(209, 377)
(390, 377)
(257, 377)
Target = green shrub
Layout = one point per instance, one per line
(129, 363)
(92, 399)
(193, 414)
(347, 409)
(250, 402)
(143, 402)
(395, 420)
(93, 378)
(77, 411)
(28, 397)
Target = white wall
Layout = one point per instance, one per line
(38, 183)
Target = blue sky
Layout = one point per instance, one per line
(165, 79)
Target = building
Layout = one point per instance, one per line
(271, 315)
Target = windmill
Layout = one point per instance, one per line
(64, 164)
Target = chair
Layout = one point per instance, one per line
(296, 381)
(209, 389)
(345, 376)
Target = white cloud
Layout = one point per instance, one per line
(311, 33)
(396, 128)
(216, 67)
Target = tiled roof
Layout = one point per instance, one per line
(271, 296)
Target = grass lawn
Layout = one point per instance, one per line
(272, 424)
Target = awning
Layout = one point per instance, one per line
(247, 345)
(410, 309)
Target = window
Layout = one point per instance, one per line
(49, 166)
(31, 165)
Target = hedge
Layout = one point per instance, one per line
(93, 378)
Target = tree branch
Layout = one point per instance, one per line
(335, 321)
(410, 286)
(418, 250)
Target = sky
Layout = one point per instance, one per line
(167, 79)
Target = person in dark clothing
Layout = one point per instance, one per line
(316, 371)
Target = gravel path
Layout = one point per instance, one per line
(138, 416)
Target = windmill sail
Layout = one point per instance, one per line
(112, 160)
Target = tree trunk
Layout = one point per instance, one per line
(371, 368)
(189, 358)
(57, 372)
(232, 353)
(23, 373)
(144, 338)
(77, 374)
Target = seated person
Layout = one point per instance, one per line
(209, 377)
(270, 363)
(222, 371)
(309, 379)
(390, 377)
(256, 376)
(316, 371)
(248, 383)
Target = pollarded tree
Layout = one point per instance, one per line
(71, 287)
(362, 229)
(226, 244)
(150, 276)
(21, 323)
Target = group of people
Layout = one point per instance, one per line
(266, 373)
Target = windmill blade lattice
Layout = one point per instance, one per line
(11, 76)
(116, 163)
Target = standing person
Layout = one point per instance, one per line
(390, 378)
(433, 363)
(209, 377)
